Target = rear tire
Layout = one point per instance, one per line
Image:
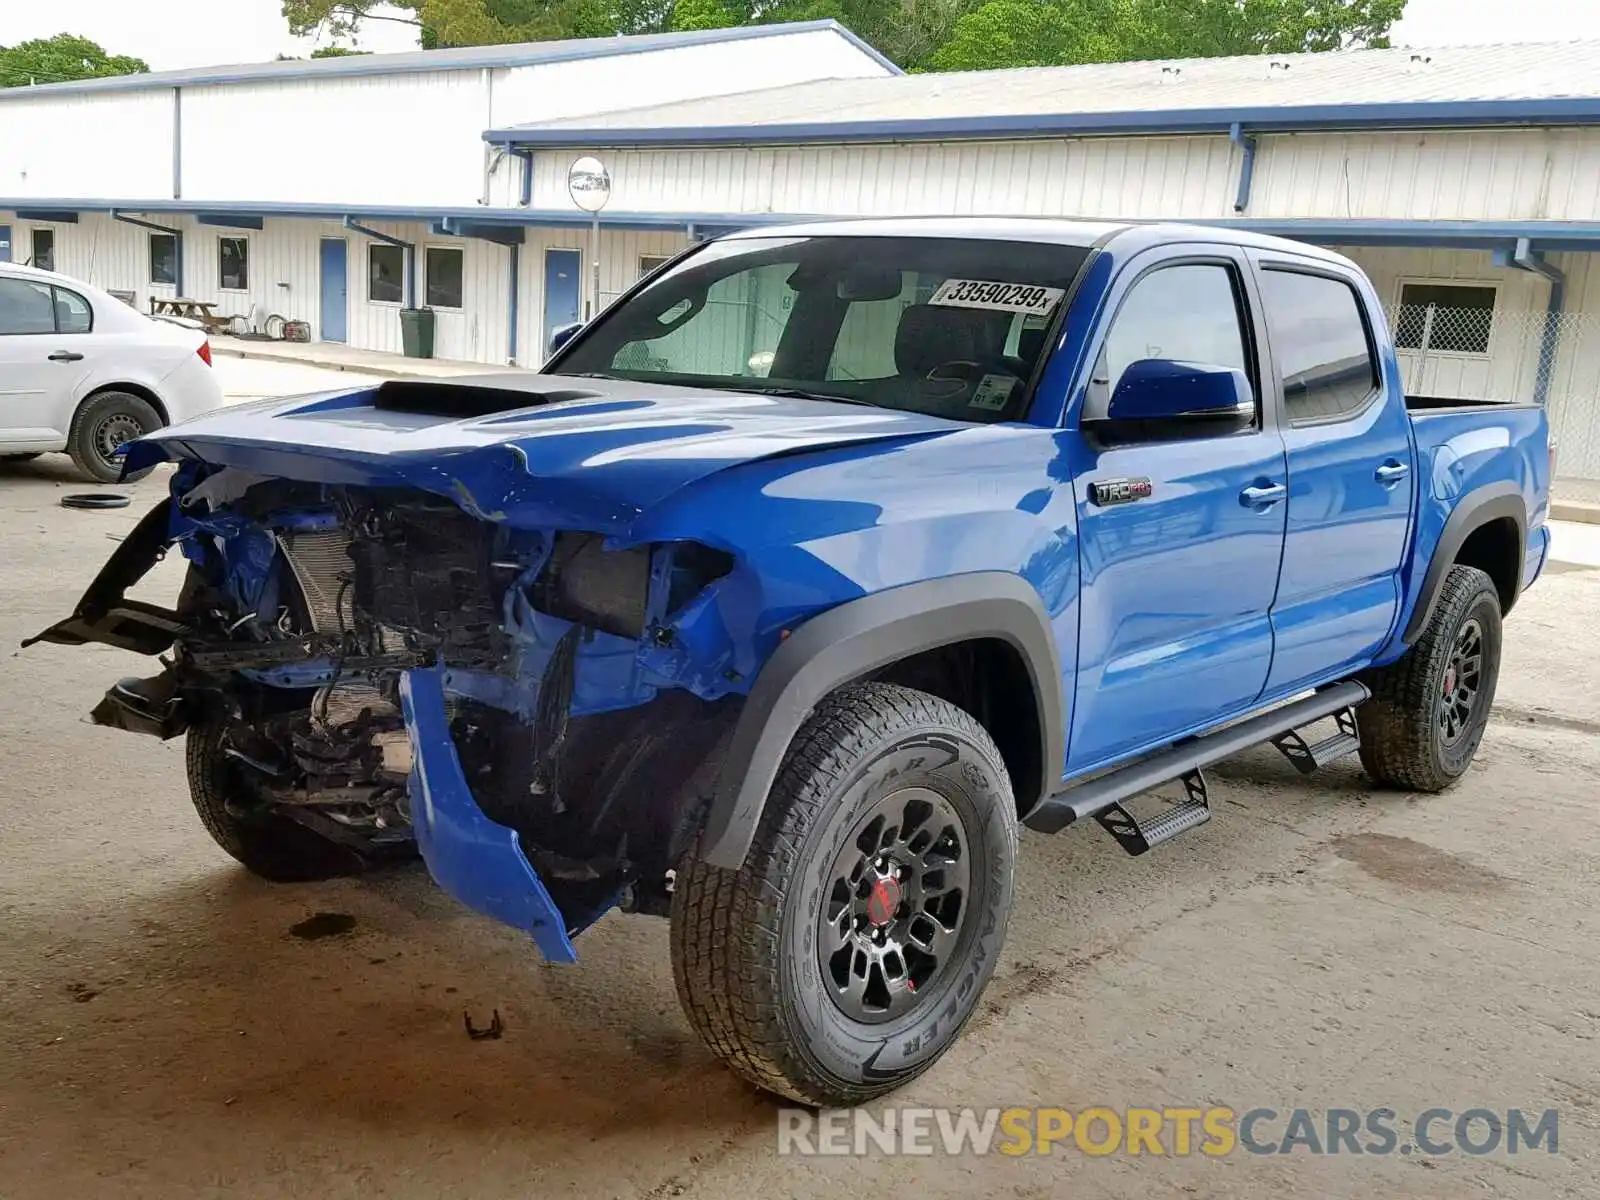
(1425, 720)
(102, 423)
(883, 859)
(268, 843)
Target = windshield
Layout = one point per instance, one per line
(942, 326)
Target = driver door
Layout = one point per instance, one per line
(1180, 567)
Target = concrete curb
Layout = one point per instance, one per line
(323, 364)
(1575, 510)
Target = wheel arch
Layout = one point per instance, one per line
(859, 639)
(140, 390)
(1488, 529)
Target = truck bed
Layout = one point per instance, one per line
(1438, 403)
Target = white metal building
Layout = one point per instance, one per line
(337, 190)
(1467, 181)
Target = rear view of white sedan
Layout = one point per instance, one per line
(81, 371)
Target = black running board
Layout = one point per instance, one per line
(1137, 837)
(1096, 796)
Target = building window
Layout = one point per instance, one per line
(1445, 318)
(44, 249)
(1319, 337)
(649, 263)
(445, 265)
(163, 258)
(233, 263)
(386, 273)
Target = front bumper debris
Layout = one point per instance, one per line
(477, 861)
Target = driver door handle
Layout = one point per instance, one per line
(66, 356)
(1262, 495)
(1392, 471)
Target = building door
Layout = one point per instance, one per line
(335, 290)
(563, 274)
(5, 243)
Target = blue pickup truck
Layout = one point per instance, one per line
(813, 568)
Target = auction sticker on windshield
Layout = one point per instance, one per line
(1005, 297)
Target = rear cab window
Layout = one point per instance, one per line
(1322, 342)
(949, 327)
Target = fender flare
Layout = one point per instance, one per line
(852, 641)
(1474, 510)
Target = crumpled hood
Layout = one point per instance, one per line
(621, 445)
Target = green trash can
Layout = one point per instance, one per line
(416, 332)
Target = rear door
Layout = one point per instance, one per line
(39, 368)
(1177, 582)
(1348, 441)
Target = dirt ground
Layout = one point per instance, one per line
(166, 1032)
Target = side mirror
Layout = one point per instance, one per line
(1159, 389)
(564, 335)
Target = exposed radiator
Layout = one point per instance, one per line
(320, 560)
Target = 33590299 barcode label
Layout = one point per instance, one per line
(1004, 297)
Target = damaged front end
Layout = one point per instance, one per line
(542, 711)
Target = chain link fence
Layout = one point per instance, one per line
(1510, 354)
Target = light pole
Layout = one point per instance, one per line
(589, 185)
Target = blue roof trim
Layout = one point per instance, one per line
(1415, 114)
(1548, 235)
(475, 215)
(526, 54)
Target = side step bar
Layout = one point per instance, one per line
(1186, 758)
(1180, 818)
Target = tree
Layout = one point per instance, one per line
(943, 35)
(61, 59)
(442, 23)
(1025, 33)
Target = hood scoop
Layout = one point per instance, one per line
(458, 400)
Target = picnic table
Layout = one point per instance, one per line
(203, 311)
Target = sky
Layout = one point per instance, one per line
(190, 33)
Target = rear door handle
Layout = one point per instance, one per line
(1391, 472)
(1262, 495)
(66, 356)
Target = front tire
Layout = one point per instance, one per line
(103, 423)
(1425, 720)
(268, 843)
(843, 958)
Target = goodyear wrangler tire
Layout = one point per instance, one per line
(843, 958)
(1425, 720)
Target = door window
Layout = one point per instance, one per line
(73, 314)
(1319, 338)
(1184, 313)
(1187, 313)
(26, 307)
